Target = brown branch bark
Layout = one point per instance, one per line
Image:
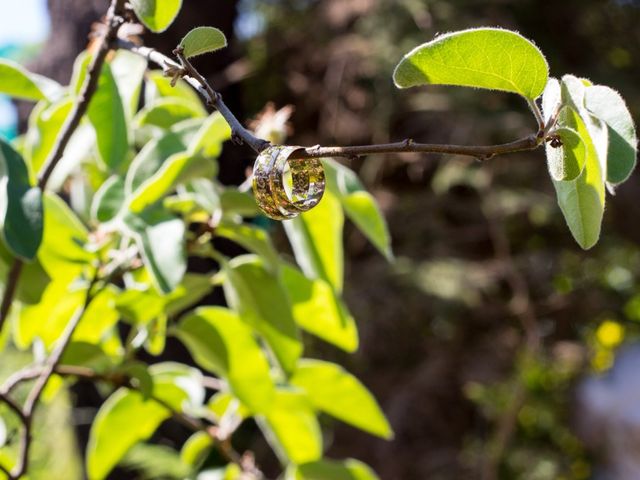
(240, 133)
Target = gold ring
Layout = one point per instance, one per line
(285, 187)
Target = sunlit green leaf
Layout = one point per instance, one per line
(166, 112)
(156, 15)
(607, 105)
(318, 310)
(159, 86)
(252, 238)
(338, 393)
(223, 344)
(292, 429)
(359, 205)
(45, 122)
(107, 115)
(20, 205)
(151, 158)
(567, 160)
(202, 40)
(155, 462)
(177, 169)
(19, 83)
(63, 253)
(128, 71)
(160, 238)
(125, 419)
(258, 296)
(582, 200)
(483, 58)
(316, 240)
(349, 469)
(108, 200)
(195, 449)
(209, 139)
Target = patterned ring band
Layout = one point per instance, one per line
(285, 187)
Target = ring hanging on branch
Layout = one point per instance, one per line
(285, 187)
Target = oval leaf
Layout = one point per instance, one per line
(566, 161)
(316, 240)
(20, 83)
(318, 310)
(291, 428)
(607, 104)
(220, 342)
(156, 15)
(335, 391)
(349, 469)
(483, 58)
(202, 40)
(258, 296)
(125, 419)
(20, 205)
(582, 200)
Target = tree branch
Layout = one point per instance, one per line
(114, 20)
(214, 99)
(197, 81)
(47, 371)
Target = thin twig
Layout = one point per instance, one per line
(42, 380)
(118, 380)
(214, 99)
(197, 81)
(70, 125)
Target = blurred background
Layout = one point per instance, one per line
(497, 347)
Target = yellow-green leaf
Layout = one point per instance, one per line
(489, 58)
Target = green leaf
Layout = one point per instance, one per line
(107, 115)
(482, 58)
(58, 304)
(108, 200)
(316, 240)
(45, 122)
(318, 310)
(349, 469)
(210, 137)
(156, 15)
(291, 428)
(20, 205)
(179, 386)
(128, 71)
(125, 419)
(202, 40)
(253, 238)
(338, 393)
(166, 112)
(607, 105)
(551, 99)
(160, 238)
(196, 449)
(63, 253)
(177, 169)
(101, 315)
(150, 159)
(258, 296)
(20, 83)
(159, 86)
(359, 205)
(566, 161)
(582, 200)
(237, 203)
(221, 343)
(155, 461)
